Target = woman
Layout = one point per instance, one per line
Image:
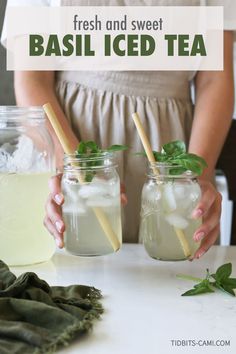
(98, 106)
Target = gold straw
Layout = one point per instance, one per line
(147, 147)
(68, 149)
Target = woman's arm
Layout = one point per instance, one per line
(35, 88)
(212, 119)
(213, 109)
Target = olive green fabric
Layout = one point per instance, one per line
(36, 318)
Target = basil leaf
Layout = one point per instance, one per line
(89, 176)
(201, 288)
(192, 292)
(230, 282)
(92, 146)
(223, 272)
(201, 161)
(174, 148)
(190, 165)
(225, 288)
(81, 149)
(159, 157)
(177, 170)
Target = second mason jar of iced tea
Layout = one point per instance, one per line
(91, 211)
(168, 200)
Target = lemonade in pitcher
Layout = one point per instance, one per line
(23, 236)
(26, 164)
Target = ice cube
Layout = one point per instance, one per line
(152, 191)
(6, 150)
(39, 163)
(93, 189)
(22, 156)
(195, 192)
(9, 148)
(4, 157)
(182, 195)
(151, 197)
(102, 202)
(74, 208)
(110, 187)
(87, 191)
(180, 190)
(70, 191)
(192, 195)
(169, 201)
(114, 189)
(177, 221)
(151, 194)
(102, 184)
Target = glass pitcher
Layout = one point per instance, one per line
(91, 187)
(168, 201)
(26, 163)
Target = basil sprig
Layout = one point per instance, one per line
(175, 153)
(89, 149)
(220, 280)
(86, 148)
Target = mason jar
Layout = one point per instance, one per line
(168, 201)
(91, 209)
(26, 164)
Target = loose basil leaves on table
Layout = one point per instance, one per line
(219, 280)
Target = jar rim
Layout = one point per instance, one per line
(15, 113)
(91, 156)
(70, 161)
(160, 164)
(166, 173)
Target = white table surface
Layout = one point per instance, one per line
(144, 309)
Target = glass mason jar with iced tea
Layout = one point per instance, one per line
(26, 164)
(91, 210)
(168, 201)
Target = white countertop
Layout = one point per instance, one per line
(144, 309)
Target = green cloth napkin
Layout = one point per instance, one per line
(38, 318)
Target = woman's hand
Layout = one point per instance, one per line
(209, 209)
(53, 220)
